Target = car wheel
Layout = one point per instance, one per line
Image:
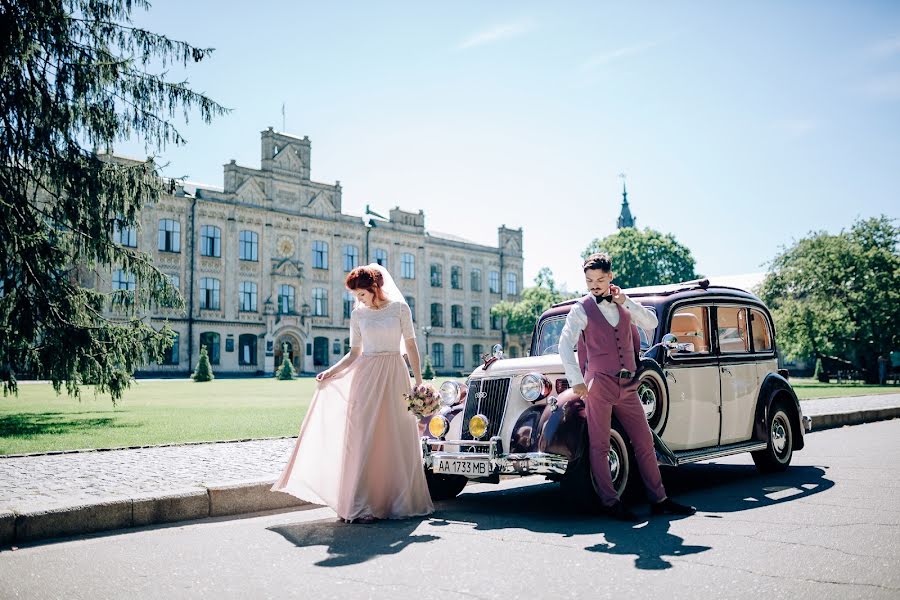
(654, 397)
(578, 484)
(780, 444)
(444, 487)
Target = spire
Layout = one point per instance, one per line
(625, 218)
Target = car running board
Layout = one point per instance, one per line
(692, 456)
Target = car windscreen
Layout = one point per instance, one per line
(551, 328)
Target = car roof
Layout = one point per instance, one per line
(659, 294)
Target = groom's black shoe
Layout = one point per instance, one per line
(620, 512)
(670, 507)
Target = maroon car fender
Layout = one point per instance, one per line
(562, 430)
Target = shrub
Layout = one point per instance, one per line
(428, 371)
(286, 370)
(203, 372)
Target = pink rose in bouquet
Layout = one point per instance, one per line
(423, 400)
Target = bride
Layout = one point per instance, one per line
(358, 449)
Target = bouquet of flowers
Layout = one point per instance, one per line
(423, 400)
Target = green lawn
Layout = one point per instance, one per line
(165, 412)
(808, 388)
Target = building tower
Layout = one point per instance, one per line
(625, 218)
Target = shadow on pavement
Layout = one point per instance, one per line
(353, 544)
(541, 508)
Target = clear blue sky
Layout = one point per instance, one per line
(741, 126)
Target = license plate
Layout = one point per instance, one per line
(474, 467)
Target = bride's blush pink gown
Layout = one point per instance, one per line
(358, 450)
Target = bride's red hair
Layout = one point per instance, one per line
(366, 278)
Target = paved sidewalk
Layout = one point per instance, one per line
(163, 484)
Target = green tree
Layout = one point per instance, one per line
(203, 372)
(286, 371)
(428, 371)
(838, 295)
(520, 317)
(645, 257)
(77, 76)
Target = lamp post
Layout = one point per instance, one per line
(304, 313)
(427, 331)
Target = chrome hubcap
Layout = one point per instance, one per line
(648, 400)
(614, 465)
(779, 436)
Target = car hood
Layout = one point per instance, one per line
(548, 364)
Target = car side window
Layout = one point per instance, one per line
(759, 328)
(690, 325)
(732, 330)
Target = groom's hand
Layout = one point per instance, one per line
(580, 389)
(618, 296)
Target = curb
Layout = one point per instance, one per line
(231, 498)
(196, 503)
(856, 417)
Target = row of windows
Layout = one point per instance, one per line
(458, 357)
(738, 329)
(211, 245)
(475, 279)
(247, 345)
(247, 351)
(248, 294)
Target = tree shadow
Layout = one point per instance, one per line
(350, 544)
(712, 488)
(28, 425)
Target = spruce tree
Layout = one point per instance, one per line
(428, 371)
(286, 371)
(78, 77)
(203, 372)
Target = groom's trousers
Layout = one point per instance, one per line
(609, 396)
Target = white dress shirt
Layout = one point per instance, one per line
(577, 320)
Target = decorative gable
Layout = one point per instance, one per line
(288, 159)
(251, 191)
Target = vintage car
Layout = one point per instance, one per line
(708, 382)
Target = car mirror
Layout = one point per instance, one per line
(670, 341)
(684, 347)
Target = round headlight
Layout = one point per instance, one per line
(534, 387)
(438, 426)
(449, 393)
(478, 426)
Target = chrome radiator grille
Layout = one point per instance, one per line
(486, 397)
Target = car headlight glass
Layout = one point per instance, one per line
(534, 387)
(449, 393)
(438, 426)
(478, 426)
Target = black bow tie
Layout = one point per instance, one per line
(600, 299)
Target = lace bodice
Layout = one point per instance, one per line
(381, 330)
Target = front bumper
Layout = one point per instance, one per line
(526, 463)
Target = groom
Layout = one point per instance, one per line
(603, 324)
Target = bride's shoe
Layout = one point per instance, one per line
(367, 520)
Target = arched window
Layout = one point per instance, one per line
(247, 349)
(437, 355)
(248, 296)
(211, 341)
(285, 299)
(476, 354)
(169, 235)
(351, 257)
(380, 256)
(210, 241)
(475, 280)
(249, 245)
(459, 356)
(437, 315)
(456, 278)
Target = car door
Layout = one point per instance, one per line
(692, 376)
(738, 376)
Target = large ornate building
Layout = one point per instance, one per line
(261, 264)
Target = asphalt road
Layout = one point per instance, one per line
(827, 528)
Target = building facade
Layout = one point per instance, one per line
(261, 264)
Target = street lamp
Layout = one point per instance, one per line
(427, 332)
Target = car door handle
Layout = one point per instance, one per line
(670, 376)
(727, 370)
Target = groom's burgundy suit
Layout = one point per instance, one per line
(604, 351)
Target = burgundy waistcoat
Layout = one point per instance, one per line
(603, 348)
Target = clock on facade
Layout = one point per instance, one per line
(285, 246)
